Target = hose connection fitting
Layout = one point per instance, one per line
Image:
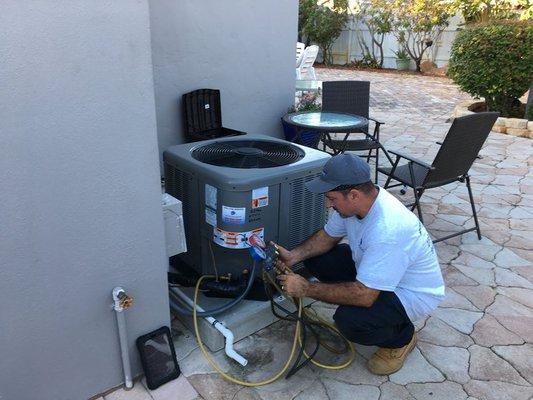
(121, 301)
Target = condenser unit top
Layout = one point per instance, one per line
(242, 161)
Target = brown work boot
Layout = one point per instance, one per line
(387, 361)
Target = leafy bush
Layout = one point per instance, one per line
(307, 102)
(494, 61)
(378, 20)
(419, 23)
(475, 11)
(322, 23)
(401, 54)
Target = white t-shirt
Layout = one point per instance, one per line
(393, 252)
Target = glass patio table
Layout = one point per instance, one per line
(323, 123)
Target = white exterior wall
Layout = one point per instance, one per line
(80, 201)
(244, 48)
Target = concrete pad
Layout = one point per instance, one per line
(244, 319)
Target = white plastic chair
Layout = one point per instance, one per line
(305, 69)
(300, 47)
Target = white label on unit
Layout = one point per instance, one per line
(207, 106)
(210, 216)
(260, 197)
(211, 196)
(234, 215)
(235, 240)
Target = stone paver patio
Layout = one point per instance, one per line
(479, 343)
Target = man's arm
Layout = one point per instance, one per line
(319, 243)
(345, 293)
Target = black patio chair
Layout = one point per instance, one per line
(353, 97)
(202, 116)
(452, 163)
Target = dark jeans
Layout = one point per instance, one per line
(384, 324)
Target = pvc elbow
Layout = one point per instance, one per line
(230, 351)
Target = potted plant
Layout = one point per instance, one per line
(309, 101)
(403, 61)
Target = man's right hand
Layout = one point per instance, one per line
(285, 256)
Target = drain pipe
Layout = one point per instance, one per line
(121, 302)
(219, 326)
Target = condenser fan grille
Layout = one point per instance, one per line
(248, 154)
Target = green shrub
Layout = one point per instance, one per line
(494, 61)
(322, 23)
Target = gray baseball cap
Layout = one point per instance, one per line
(343, 169)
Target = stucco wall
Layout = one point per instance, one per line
(244, 48)
(80, 204)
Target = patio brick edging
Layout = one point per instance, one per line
(510, 126)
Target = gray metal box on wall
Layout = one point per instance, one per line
(234, 187)
(174, 228)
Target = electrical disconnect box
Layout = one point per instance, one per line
(174, 228)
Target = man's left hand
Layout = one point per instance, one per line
(294, 285)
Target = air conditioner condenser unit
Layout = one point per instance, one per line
(234, 187)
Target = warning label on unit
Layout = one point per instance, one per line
(210, 216)
(211, 196)
(235, 240)
(260, 197)
(233, 215)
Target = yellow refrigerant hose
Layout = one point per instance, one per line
(296, 341)
(218, 369)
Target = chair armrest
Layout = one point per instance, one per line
(376, 121)
(410, 158)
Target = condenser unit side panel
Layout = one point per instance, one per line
(302, 213)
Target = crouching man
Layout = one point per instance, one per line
(386, 276)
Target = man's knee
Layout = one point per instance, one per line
(351, 323)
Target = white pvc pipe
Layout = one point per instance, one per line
(219, 326)
(123, 338)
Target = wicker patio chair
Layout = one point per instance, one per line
(353, 97)
(202, 116)
(452, 163)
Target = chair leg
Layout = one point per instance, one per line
(478, 230)
(368, 156)
(417, 205)
(377, 164)
(391, 173)
(417, 194)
